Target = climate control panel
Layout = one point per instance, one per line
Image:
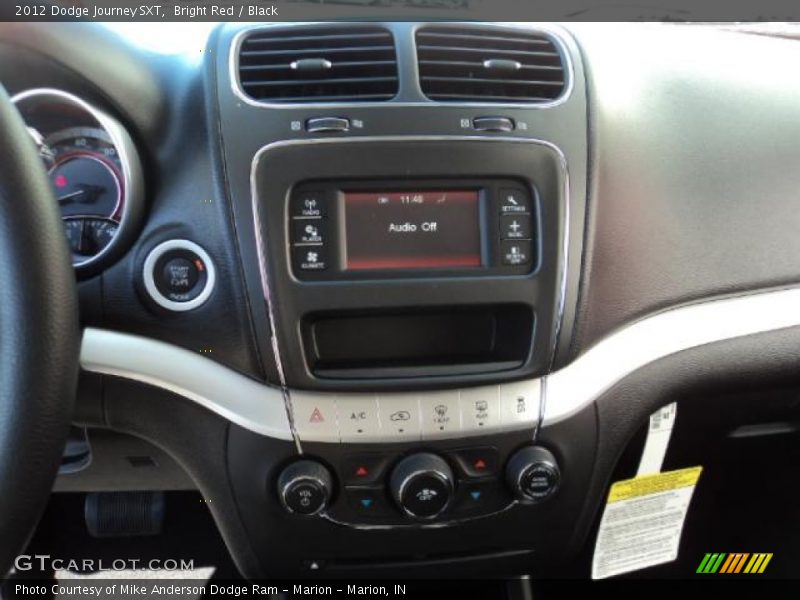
(419, 486)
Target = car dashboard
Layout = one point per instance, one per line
(398, 296)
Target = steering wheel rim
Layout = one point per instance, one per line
(39, 336)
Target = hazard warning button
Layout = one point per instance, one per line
(314, 417)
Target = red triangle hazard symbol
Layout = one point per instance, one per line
(316, 417)
(480, 464)
(362, 471)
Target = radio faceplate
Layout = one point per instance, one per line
(369, 168)
(372, 229)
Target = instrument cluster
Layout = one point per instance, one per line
(95, 171)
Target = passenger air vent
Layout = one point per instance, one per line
(318, 64)
(462, 64)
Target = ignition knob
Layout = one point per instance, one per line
(304, 487)
(532, 472)
(422, 485)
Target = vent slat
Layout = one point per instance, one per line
(339, 65)
(356, 63)
(299, 39)
(478, 65)
(483, 38)
(475, 63)
(493, 81)
(268, 83)
(322, 52)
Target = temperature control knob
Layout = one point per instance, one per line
(304, 487)
(422, 485)
(532, 472)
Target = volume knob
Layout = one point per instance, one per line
(422, 485)
(304, 487)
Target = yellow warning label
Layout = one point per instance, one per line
(653, 484)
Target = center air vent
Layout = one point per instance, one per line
(319, 64)
(462, 64)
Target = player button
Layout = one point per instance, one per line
(309, 231)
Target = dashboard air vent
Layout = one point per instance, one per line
(319, 64)
(461, 64)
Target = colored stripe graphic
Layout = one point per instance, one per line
(735, 562)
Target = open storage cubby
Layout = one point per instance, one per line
(410, 343)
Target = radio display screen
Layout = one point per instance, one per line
(431, 229)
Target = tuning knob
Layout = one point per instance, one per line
(532, 472)
(422, 485)
(304, 487)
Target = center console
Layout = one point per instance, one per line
(417, 278)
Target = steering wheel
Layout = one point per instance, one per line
(39, 336)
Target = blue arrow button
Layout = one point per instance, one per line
(366, 502)
(475, 494)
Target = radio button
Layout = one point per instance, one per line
(310, 258)
(480, 409)
(515, 201)
(400, 418)
(308, 204)
(314, 417)
(519, 404)
(358, 418)
(516, 227)
(309, 231)
(441, 416)
(515, 253)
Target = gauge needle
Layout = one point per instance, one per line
(63, 199)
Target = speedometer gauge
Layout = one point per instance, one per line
(94, 170)
(85, 172)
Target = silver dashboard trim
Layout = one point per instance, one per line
(132, 194)
(244, 401)
(555, 35)
(638, 344)
(261, 409)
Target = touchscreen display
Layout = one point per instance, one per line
(432, 229)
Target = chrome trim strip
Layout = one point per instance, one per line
(264, 269)
(132, 174)
(580, 383)
(260, 408)
(241, 400)
(555, 35)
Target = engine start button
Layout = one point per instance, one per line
(178, 275)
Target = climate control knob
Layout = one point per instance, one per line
(422, 485)
(304, 487)
(532, 472)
